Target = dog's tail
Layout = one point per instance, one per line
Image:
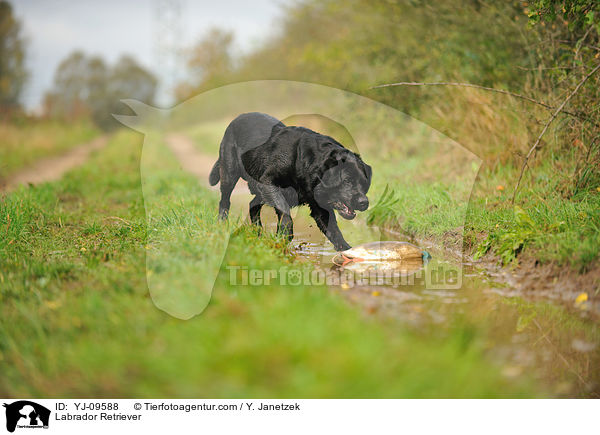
(215, 174)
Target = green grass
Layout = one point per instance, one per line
(76, 318)
(23, 144)
(545, 224)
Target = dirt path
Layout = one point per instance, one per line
(53, 168)
(197, 163)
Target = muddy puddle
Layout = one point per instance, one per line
(538, 339)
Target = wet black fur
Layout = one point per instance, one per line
(290, 166)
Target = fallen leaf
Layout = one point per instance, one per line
(581, 298)
(372, 309)
(579, 144)
(512, 371)
(53, 305)
(582, 345)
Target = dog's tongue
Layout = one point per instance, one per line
(349, 211)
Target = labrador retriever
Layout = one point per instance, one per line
(287, 166)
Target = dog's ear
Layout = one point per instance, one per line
(330, 175)
(368, 171)
(334, 158)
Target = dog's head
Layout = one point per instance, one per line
(343, 183)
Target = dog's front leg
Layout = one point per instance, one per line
(327, 223)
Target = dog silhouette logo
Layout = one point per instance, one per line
(26, 414)
(184, 261)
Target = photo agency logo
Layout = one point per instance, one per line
(394, 275)
(361, 168)
(24, 414)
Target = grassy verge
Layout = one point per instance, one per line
(544, 225)
(76, 318)
(24, 144)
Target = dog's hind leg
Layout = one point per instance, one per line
(227, 185)
(285, 225)
(274, 197)
(255, 207)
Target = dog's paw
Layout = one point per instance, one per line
(342, 246)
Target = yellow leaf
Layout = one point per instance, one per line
(345, 286)
(581, 298)
(376, 293)
(53, 305)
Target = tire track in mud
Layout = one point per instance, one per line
(53, 168)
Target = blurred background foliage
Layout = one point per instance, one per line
(12, 60)
(540, 49)
(87, 86)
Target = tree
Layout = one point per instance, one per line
(86, 86)
(12, 55)
(210, 62)
(130, 80)
(71, 90)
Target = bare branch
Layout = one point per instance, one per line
(543, 68)
(550, 120)
(466, 85)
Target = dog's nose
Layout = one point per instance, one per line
(362, 203)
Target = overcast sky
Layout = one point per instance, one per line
(110, 28)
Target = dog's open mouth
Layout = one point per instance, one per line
(345, 211)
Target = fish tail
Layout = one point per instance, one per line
(350, 260)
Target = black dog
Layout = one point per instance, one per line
(290, 166)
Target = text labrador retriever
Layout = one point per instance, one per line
(290, 166)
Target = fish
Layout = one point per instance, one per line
(382, 251)
(396, 268)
